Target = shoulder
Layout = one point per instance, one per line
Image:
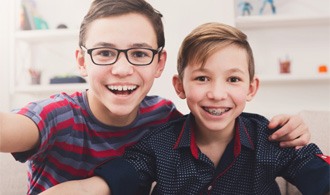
(159, 107)
(58, 98)
(65, 100)
(52, 107)
(255, 127)
(254, 120)
(72, 98)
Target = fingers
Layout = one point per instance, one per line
(287, 125)
(297, 143)
(278, 120)
(293, 133)
(288, 132)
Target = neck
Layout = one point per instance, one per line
(223, 136)
(214, 143)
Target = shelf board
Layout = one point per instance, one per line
(47, 35)
(265, 21)
(51, 88)
(288, 78)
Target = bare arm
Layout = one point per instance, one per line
(293, 133)
(90, 186)
(17, 133)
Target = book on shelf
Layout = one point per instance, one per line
(30, 18)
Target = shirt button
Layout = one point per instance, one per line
(209, 188)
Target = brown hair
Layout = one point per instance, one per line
(105, 8)
(206, 39)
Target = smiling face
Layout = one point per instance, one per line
(217, 91)
(117, 90)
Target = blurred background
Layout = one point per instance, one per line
(290, 40)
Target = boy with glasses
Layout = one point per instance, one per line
(121, 52)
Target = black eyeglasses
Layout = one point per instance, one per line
(136, 56)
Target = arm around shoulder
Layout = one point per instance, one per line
(18, 133)
(90, 186)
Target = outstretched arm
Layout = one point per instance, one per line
(17, 133)
(294, 131)
(90, 186)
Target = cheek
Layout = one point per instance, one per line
(98, 74)
(147, 73)
(239, 94)
(195, 93)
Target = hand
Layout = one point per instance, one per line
(294, 131)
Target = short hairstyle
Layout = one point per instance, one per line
(208, 38)
(105, 8)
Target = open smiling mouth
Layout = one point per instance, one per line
(216, 111)
(122, 89)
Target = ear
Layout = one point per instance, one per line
(178, 86)
(254, 86)
(161, 63)
(81, 62)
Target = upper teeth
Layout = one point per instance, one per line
(216, 112)
(122, 88)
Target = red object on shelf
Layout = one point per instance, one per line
(285, 66)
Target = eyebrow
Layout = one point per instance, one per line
(236, 70)
(232, 70)
(103, 44)
(135, 45)
(142, 45)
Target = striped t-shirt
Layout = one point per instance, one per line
(73, 142)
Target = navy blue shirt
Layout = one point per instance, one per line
(169, 155)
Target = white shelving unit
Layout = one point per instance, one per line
(306, 38)
(257, 21)
(37, 36)
(50, 50)
(300, 79)
(51, 89)
(300, 30)
(27, 43)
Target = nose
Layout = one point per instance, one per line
(217, 91)
(122, 67)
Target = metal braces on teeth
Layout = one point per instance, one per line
(214, 112)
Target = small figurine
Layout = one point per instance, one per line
(246, 7)
(271, 2)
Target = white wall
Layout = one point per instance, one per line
(4, 53)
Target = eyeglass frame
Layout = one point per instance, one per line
(154, 52)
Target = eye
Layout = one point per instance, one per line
(105, 53)
(140, 53)
(202, 78)
(233, 79)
